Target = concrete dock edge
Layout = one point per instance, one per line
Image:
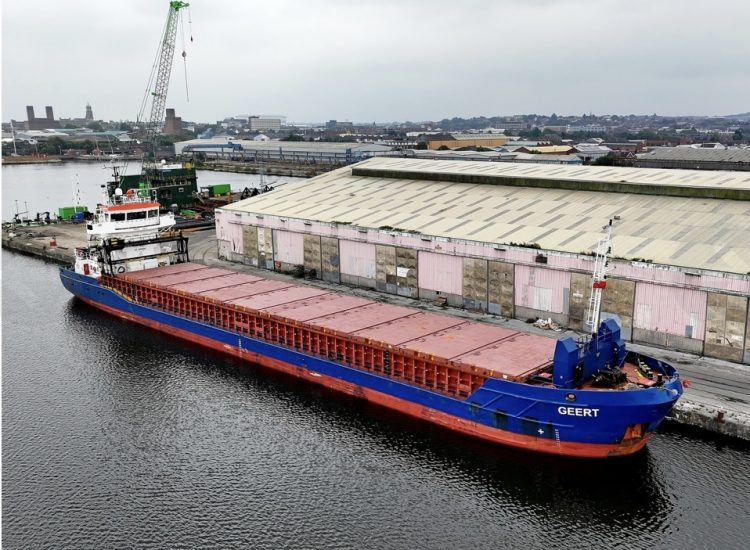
(713, 419)
(61, 255)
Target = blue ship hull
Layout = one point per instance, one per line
(574, 422)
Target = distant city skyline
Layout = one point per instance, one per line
(382, 61)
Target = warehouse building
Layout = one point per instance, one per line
(457, 141)
(517, 239)
(222, 148)
(734, 159)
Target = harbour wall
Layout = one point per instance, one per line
(58, 254)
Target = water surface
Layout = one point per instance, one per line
(117, 437)
(46, 187)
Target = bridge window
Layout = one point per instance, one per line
(153, 213)
(137, 215)
(118, 217)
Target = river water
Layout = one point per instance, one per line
(117, 437)
(46, 187)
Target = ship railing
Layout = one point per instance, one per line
(438, 374)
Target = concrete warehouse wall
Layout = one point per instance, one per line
(652, 306)
(475, 289)
(250, 244)
(500, 285)
(313, 261)
(542, 292)
(726, 326)
(617, 302)
(329, 259)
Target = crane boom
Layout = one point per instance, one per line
(164, 71)
(174, 185)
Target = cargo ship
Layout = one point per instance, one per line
(588, 397)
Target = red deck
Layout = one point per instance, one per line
(371, 315)
(131, 206)
(215, 283)
(187, 276)
(232, 293)
(518, 356)
(318, 306)
(409, 329)
(502, 351)
(282, 296)
(148, 274)
(459, 340)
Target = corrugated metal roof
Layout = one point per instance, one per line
(606, 174)
(697, 154)
(550, 149)
(699, 233)
(463, 137)
(287, 146)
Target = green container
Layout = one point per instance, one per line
(67, 212)
(219, 189)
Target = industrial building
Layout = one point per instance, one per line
(38, 123)
(456, 141)
(490, 156)
(517, 240)
(735, 159)
(172, 123)
(293, 151)
(264, 123)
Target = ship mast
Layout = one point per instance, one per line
(599, 278)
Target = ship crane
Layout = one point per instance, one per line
(599, 278)
(159, 78)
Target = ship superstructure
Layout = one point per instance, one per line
(128, 232)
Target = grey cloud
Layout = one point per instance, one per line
(383, 60)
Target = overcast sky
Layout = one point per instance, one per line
(382, 60)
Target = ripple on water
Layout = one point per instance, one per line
(114, 436)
